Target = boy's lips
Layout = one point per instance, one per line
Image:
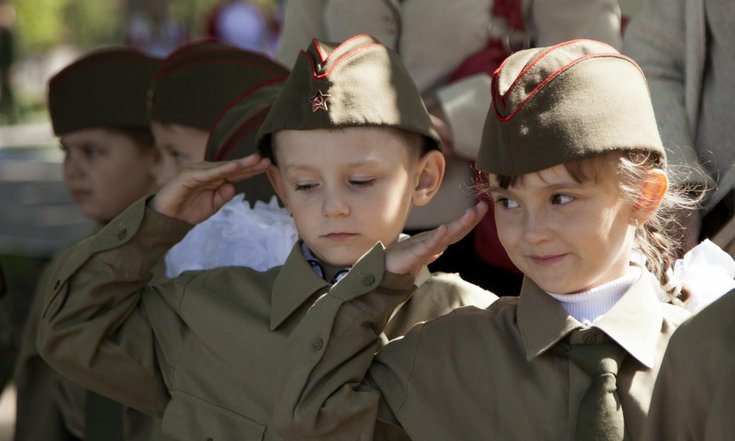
(339, 236)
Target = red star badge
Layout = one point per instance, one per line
(319, 101)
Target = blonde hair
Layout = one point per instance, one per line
(654, 239)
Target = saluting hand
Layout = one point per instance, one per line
(199, 191)
(412, 254)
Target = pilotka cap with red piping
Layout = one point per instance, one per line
(233, 136)
(356, 83)
(566, 102)
(198, 80)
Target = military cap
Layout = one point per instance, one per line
(196, 81)
(233, 136)
(356, 83)
(106, 87)
(566, 102)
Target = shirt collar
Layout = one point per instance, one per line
(295, 283)
(634, 322)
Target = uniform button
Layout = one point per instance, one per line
(590, 339)
(367, 279)
(209, 438)
(317, 344)
(57, 284)
(122, 233)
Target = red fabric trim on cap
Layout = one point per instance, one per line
(496, 94)
(239, 99)
(554, 75)
(187, 44)
(344, 58)
(532, 64)
(318, 48)
(323, 59)
(242, 130)
(233, 102)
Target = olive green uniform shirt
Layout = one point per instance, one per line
(694, 398)
(201, 350)
(473, 374)
(51, 407)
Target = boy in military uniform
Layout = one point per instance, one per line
(98, 109)
(354, 151)
(192, 88)
(196, 99)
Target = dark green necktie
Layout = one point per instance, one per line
(600, 415)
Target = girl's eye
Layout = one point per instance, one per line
(561, 199)
(362, 182)
(506, 203)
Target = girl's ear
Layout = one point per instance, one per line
(652, 192)
(278, 185)
(429, 176)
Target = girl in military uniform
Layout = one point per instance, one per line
(351, 150)
(577, 173)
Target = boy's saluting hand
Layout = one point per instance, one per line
(199, 191)
(412, 254)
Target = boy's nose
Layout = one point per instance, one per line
(71, 168)
(335, 204)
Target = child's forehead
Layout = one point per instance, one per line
(367, 132)
(352, 144)
(585, 172)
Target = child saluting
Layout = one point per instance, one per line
(576, 170)
(353, 150)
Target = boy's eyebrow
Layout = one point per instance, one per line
(364, 161)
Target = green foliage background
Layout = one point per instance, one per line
(42, 24)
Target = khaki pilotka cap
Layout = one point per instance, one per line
(233, 136)
(104, 88)
(566, 102)
(356, 83)
(198, 80)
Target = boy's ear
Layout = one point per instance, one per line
(652, 192)
(277, 182)
(429, 176)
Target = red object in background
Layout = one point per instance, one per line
(486, 242)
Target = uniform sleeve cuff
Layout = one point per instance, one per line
(137, 239)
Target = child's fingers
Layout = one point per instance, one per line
(456, 230)
(230, 171)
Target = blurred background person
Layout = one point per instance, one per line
(687, 50)
(153, 30)
(244, 24)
